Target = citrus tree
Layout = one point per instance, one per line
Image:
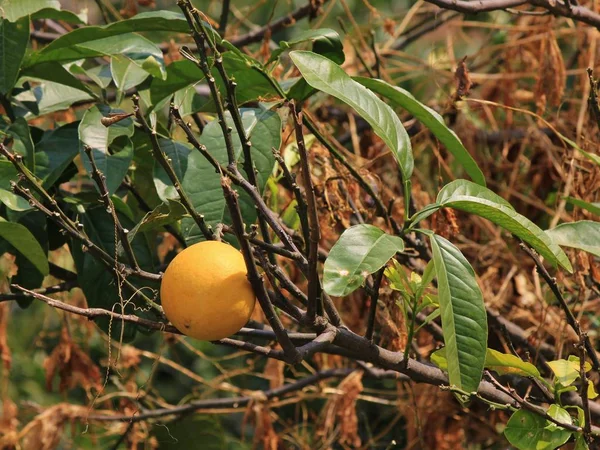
(161, 173)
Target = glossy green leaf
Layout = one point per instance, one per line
(64, 15)
(203, 184)
(566, 371)
(56, 73)
(22, 142)
(15, 9)
(50, 97)
(529, 431)
(252, 83)
(8, 173)
(164, 214)
(503, 364)
(464, 320)
(94, 46)
(25, 243)
(29, 275)
(580, 443)
(472, 198)
(326, 76)
(97, 282)
(55, 151)
(431, 119)
(95, 135)
(178, 154)
(583, 235)
(325, 42)
(360, 251)
(13, 44)
(594, 208)
(179, 75)
(126, 73)
(13, 201)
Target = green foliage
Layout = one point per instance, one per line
(501, 363)
(58, 175)
(583, 235)
(529, 431)
(14, 37)
(203, 183)
(464, 319)
(324, 75)
(431, 119)
(326, 42)
(475, 199)
(360, 251)
(24, 242)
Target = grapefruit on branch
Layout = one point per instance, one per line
(205, 293)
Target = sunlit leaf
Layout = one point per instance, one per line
(583, 235)
(475, 199)
(326, 76)
(360, 251)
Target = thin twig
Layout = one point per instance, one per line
(160, 156)
(292, 354)
(122, 233)
(224, 17)
(373, 306)
(301, 206)
(315, 300)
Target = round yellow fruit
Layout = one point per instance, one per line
(205, 293)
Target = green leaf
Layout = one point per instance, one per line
(126, 73)
(464, 320)
(591, 156)
(529, 431)
(580, 443)
(99, 138)
(16, 9)
(594, 208)
(8, 173)
(560, 414)
(23, 144)
(29, 276)
(323, 74)
(55, 151)
(252, 83)
(325, 42)
(179, 75)
(360, 251)
(472, 198)
(583, 235)
(592, 394)
(56, 73)
(431, 119)
(178, 154)
(50, 97)
(13, 201)
(94, 45)
(66, 16)
(203, 184)
(163, 214)
(97, 282)
(501, 363)
(25, 243)
(13, 44)
(567, 371)
(505, 364)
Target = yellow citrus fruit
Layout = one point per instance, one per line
(205, 293)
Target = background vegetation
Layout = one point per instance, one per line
(510, 78)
